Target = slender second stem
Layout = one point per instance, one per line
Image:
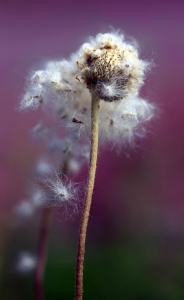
(42, 252)
(43, 243)
(87, 204)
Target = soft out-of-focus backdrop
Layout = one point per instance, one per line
(135, 244)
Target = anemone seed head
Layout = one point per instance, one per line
(108, 67)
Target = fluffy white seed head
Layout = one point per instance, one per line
(109, 61)
(107, 66)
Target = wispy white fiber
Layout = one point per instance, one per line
(106, 65)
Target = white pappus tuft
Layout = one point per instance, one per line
(110, 90)
(62, 193)
(26, 262)
(107, 66)
(32, 98)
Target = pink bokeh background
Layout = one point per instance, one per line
(137, 195)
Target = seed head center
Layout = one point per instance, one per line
(103, 65)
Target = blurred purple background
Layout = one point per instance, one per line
(136, 197)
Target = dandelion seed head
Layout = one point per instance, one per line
(108, 60)
(106, 66)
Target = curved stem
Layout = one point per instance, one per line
(87, 204)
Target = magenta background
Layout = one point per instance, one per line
(137, 198)
(138, 195)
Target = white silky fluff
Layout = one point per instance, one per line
(61, 87)
(26, 262)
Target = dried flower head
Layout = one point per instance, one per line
(94, 92)
(106, 66)
(111, 68)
